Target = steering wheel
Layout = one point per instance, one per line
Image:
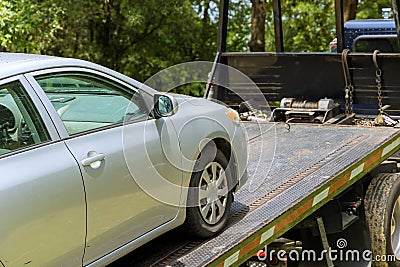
(7, 121)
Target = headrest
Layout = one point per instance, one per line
(6, 115)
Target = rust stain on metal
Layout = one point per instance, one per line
(373, 159)
(339, 183)
(293, 216)
(249, 247)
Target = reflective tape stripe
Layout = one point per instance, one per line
(391, 147)
(357, 171)
(318, 198)
(232, 259)
(267, 234)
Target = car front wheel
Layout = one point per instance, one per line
(210, 196)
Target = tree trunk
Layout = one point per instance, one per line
(206, 17)
(349, 9)
(257, 42)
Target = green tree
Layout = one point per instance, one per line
(138, 38)
(368, 9)
(28, 25)
(239, 26)
(258, 15)
(307, 25)
(349, 9)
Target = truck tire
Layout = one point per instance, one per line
(382, 213)
(209, 207)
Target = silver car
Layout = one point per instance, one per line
(94, 164)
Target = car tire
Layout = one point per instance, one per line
(382, 213)
(210, 195)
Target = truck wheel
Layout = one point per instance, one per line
(210, 196)
(382, 212)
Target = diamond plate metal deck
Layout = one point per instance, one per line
(309, 155)
(292, 173)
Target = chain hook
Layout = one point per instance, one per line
(348, 89)
(375, 60)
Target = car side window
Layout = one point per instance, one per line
(85, 101)
(20, 122)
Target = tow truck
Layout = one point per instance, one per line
(367, 35)
(330, 186)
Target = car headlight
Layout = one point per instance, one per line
(233, 115)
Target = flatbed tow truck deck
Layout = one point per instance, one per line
(299, 175)
(311, 165)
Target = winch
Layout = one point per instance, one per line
(292, 110)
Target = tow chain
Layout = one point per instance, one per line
(378, 73)
(382, 119)
(349, 88)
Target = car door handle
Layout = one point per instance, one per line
(93, 159)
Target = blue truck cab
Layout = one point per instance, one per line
(371, 34)
(368, 35)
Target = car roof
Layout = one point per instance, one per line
(12, 64)
(370, 24)
(15, 57)
(17, 63)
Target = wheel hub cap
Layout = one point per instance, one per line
(213, 192)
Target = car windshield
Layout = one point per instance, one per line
(78, 86)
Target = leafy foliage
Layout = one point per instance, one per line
(372, 9)
(307, 25)
(239, 26)
(28, 25)
(139, 38)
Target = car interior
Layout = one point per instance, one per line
(85, 103)
(17, 116)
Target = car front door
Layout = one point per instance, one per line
(109, 132)
(42, 199)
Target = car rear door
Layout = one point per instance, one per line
(107, 128)
(42, 200)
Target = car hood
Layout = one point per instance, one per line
(198, 101)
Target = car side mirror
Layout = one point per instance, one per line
(164, 105)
